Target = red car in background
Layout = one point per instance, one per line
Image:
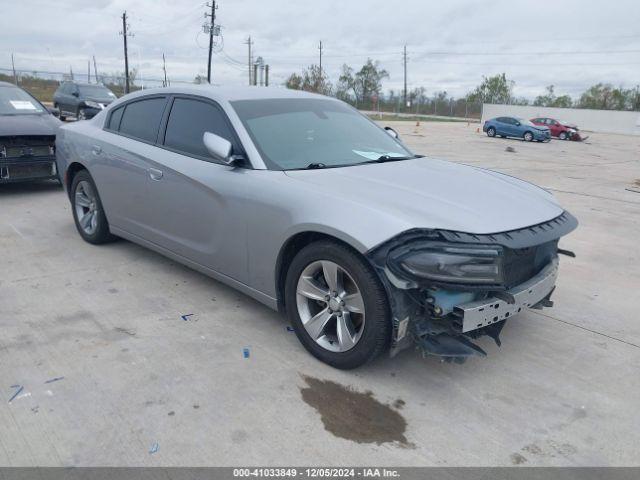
(559, 129)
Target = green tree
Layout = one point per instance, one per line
(363, 84)
(311, 80)
(496, 89)
(603, 96)
(551, 100)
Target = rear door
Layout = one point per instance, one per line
(502, 127)
(510, 127)
(124, 164)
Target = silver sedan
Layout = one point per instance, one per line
(309, 207)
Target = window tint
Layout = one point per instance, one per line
(114, 120)
(189, 120)
(141, 119)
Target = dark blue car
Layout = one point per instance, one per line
(516, 127)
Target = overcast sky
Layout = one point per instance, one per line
(451, 44)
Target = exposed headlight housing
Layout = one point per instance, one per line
(92, 104)
(453, 264)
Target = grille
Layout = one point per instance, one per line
(27, 146)
(523, 263)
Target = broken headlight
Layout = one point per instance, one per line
(466, 264)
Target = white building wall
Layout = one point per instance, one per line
(606, 121)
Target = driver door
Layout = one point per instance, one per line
(194, 202)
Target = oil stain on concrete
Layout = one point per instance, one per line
(354, 415)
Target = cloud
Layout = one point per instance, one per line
(451, 44)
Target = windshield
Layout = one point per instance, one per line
(306, 133)
(14, 101)
(95, 91)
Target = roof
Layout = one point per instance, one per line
(230, 94)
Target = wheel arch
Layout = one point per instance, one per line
(297, 242)
(72, 170)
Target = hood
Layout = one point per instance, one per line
(30, 124)
(429, 193)
(106, 100)
(570, 125)
(540, 127)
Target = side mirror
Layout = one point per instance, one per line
(75, 94)
(218, 147)
(392, 132)
(54, 111)
(517, 124)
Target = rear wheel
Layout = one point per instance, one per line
(491, 132)
(61, 116)
(337, 305)
(88, 213)
(528, 136)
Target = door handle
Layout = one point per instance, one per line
(155, 174)
(97, 149)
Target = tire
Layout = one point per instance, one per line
(81, 114)
(61, 116)
(85, 200)
(368, 333)
(528, 136)
(562, 136)
(491, 132)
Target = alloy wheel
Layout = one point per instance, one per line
(528, 136)
(86, 205)
(330, 306)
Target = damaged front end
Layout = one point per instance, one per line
(447, 289)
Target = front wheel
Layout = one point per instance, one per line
(337, 305)
(562, 136)
(528, 136)
(82, 114)
(491, 132)
(88, 213)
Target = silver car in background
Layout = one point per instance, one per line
(309, 207)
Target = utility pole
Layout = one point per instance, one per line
(212, 15)
(266, 75)
(13, 67)
(249, 43)
(126, 57)
(88, 71)
(95, 69)
(255, 74)
(404, 57)
(320, 48)
(164, 68)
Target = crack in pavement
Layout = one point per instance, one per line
(587, 329)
